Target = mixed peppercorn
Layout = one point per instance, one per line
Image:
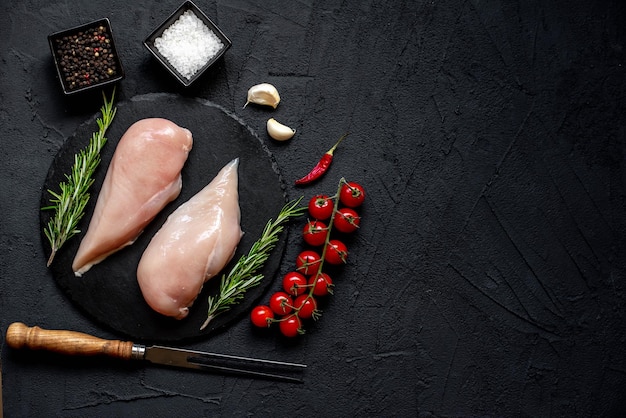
(86, 58)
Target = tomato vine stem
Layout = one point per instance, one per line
(316, 313)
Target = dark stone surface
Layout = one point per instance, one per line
(488, 276)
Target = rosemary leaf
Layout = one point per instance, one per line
(70, 203)
(244, 274)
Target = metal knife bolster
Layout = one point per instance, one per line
(138, 352)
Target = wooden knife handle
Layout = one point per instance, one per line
(66, 342)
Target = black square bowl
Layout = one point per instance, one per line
(85, 57)
(158, 32)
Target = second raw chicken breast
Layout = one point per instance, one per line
(196, 242)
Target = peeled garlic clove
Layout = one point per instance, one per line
(278, 131)
(263, 94)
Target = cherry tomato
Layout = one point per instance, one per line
(261, 316)
(308, 262)
(336, 252)
(306, 305)
(322, 284)
(321, 207)
(315, 233)
(352, 194)
(290, 326)
(294, 283)
(281, 303)
(346, 220)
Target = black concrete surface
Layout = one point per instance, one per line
(487, 278)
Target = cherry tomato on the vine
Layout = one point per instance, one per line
(336, 252)
(294, 283)
(290, 326)
(261, 316)
(308, 262)
(315, 233)
(306, 305)
(346, 220)
(304, 287)
(281, 303)
(322, 284)
(321, 207)
(352, 194)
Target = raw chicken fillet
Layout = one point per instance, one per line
(196, 242)
(143, 177)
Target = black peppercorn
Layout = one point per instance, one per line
(85, 57)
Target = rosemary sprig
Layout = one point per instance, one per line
(70, 203)
(244, 275)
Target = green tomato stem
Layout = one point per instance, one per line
(329, 228)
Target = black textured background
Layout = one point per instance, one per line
(488, 276)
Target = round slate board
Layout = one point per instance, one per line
(109, 292)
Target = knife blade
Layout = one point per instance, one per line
(73, 343)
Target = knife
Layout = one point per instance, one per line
(74, 343)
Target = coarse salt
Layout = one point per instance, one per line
(188, 44)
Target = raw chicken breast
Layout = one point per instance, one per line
(196, 242)
(143, 177)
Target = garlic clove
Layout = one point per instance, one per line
(278, 131)
(263, 94)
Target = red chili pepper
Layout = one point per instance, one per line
(322, 166)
